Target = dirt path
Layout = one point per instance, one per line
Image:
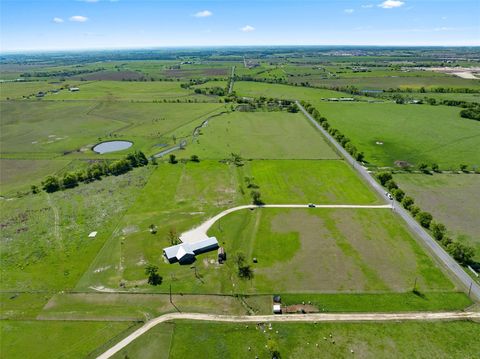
(317, 317)
(56, 227)
(199, 233)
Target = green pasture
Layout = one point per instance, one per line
(288, 92)
(260, 135)
(328, 250)
(411, 133)
(130, 90)
(308, 181)
(59, 339)
(452, 199)
(49, 129)
(20, 89)
(308, 340)
(44, 239)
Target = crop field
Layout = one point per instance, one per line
(57, 339)
(297, 340)
(453, 199)
(260, 135)
(325, 250)
(411, 133)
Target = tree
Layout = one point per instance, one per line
(119, 167)
(153, 229)
(398, 193)
(424, 218)
(69, 180)
(273, 348)
(360, 156)
(438, 230)
(407, 202)
(153, 277)
(423, 167)
(245, 271)
(51, 184)
(383, 177)
(173, 237)
(172, 159)
(463, 167)
(194, 158)
(240, 258)
(256, 197)
(34, 189)
(461, 253)
(391, 185)
(435, 167)
(414, 210)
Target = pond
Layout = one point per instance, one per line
(112, 146)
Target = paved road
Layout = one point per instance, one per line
(431, 243)
(199, 233)
(317, 317)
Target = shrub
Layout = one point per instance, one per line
(51, 184)
(424, 218)
(399, 194)
(438, 230)
(383, 177)
(461, 253)
(414, 210)
(391, 185)
(407, 202)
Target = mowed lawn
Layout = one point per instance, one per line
(452, 199)
(59, 339)
(328, 250)
(308, 340)
(412, 133)
(260, 135)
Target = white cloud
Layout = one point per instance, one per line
(204, 13)
(57, 20)
(349, 11)
(367, 6)
(247, 28)
(391, 4)
(78, 18)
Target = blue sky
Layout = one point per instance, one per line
(97, 24)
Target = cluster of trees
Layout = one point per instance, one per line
(272, 80)
(62, 73)
(434, 89)
(244, 271)
(463, 254)
(265, 103)
(471, 113)
(153, 278)
(94, 172)
(254, 192)
(216, 91)
(339, 137)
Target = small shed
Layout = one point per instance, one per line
(74, 89)
(277, 309)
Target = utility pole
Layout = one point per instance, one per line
(470, 289)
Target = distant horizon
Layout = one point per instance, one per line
(206, 47)
(84, 25)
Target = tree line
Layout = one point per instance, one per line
(462, 253)
(93, 173)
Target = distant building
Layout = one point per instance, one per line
(185, 253)
(74, 89)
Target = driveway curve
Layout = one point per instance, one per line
(316, 317)
(199, 233)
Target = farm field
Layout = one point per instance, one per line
(453, 199)
(260, 135)
(296, 340)
(56, 339)
(411, 133)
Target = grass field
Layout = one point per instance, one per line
(55, 128)
(260, 135)
(453, 200)
(295, 340)
(58, 339)
(125, 90)
(328, 250)
(258, 89)
(45, 244)
(412, 133)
